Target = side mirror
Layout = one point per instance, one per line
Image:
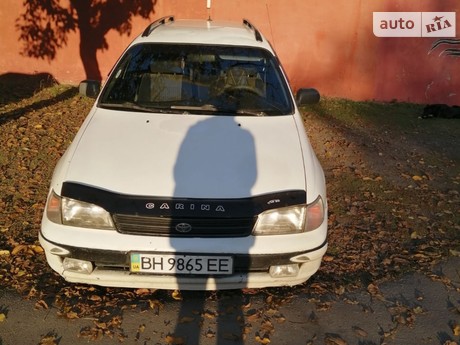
(89, 88)
(307, 96)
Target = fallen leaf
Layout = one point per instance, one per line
(95, 298)
(450, 342)
(176, 295)
(334, 340)
(72, 315)
(49, 339)
(209, 314)
(18, 249)
(267, 326)
(418, 310)
(247, 305)
(323, 306)
(41, 304)
(154, 304)
(210, 334)
(2, 317)
(186, 319)
(401, 319)
(375, 291)
(262, 339)
(359, 331)
(101, 325)
(280, 318)
(414, 235)
(37, 249)
(252, 315)
(21, 273)
(456, 330)
(171, 339)
(340, 290)
(270, 311)
(141, 292)
(246, 329)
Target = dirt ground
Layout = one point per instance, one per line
(415, 309)
(393, 193)
(393, 188)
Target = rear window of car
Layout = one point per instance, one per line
(198, 79)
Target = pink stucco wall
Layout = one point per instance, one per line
(327, 44)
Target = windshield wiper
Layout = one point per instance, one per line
(134, 106)
(205, 107)
(251, 112)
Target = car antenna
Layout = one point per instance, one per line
(208, 6)
(270, 24)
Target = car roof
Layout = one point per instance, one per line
(194, 31)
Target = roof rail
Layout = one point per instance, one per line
(148, 30)
(252, 27)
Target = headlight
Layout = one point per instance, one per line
(291, 220)
(72, 212)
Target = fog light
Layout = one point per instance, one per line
(280, 271)
(78, 266)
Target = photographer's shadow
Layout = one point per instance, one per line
(216, 164)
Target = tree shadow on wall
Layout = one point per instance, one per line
(44, 26)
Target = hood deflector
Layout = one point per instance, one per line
(181, 207)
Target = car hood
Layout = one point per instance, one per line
(187, 156)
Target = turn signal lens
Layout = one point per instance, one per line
(53, 208)
(315, 214)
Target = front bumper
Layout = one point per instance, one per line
(111, 268)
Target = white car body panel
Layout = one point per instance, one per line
(188, 155)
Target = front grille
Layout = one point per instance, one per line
(198, 227)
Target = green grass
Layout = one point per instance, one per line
(380, 115)
(377, 112)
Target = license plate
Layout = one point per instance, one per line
(180, 264)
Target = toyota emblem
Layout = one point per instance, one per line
(149, 205)
(183, 227)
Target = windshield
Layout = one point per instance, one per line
(198, 79)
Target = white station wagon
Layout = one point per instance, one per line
(192, 170)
